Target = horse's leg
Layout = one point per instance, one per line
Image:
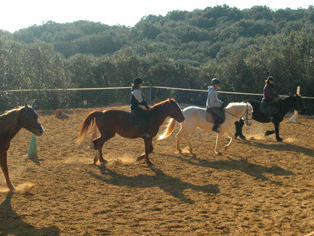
(178, 137)
(239, 125)
(216, 145)
(4, 167)
(98, 144)
(189, 143)
(276, 124)
(183, 133)
(231, 139)
(148, 149)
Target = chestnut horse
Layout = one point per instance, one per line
(10, 124)
(115, 121)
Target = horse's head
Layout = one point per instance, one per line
(174, 110)
(242, 110)
(248, 114)
(29, 120)
(298, 104)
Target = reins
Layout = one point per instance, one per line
(245, 113)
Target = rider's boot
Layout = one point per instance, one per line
(215, 127)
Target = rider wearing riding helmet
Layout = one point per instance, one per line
(139, 107)
(214, 104)
(270, 99)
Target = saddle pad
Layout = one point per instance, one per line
(209, 117)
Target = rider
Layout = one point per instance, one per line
(270, 99)
(139, 107)
(214, 104)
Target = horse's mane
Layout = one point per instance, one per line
(163, 102)
(6, 113)
(235, 104)
(8, 117)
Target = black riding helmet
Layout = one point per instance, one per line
(269, 78)
(215, 81)
(138, 81)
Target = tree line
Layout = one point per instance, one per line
(184, 49)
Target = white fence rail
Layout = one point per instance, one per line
(149, 87)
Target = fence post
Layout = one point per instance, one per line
(150, 94)
(295, 116)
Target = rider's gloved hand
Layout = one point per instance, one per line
(224, 104)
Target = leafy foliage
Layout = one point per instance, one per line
(182, 49)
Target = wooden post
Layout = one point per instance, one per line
(150, 95)
(295, 116)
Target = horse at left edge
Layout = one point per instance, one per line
(11, 122)
(116, 121)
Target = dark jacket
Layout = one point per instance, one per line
(269, 94)
(136, 100)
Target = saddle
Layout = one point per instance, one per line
(269, 109)
(140, 123)
(134, 119)
(138, 120)
(215, 115)
(209, 116)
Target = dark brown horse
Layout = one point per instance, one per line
(10, 124)
(115, 121)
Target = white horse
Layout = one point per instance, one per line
(196, 117)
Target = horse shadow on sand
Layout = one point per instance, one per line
(254, 170)
(12, 224)
(283, 147)
(168, 184)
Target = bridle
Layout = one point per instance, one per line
(246, 113)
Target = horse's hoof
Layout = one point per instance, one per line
(149, 163)
(12, 189)
(279, 139)
(269, 132)
(218, 153)
(242, 137)
(103, 162)
(140, 158)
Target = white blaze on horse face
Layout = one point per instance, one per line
(39, 123)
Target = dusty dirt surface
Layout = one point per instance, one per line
(257, 187)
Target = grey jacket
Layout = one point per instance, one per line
(212, 98)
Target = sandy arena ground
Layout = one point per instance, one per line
(257, 187)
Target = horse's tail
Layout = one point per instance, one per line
(88, 123)
(169, 129)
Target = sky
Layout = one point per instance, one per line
(18, 14)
